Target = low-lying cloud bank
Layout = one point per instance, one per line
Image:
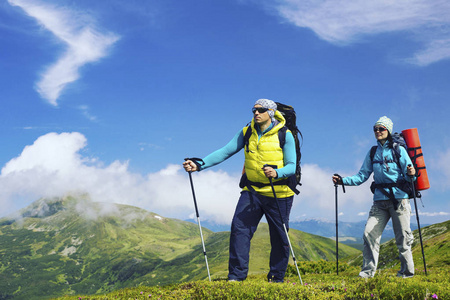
(53, 167)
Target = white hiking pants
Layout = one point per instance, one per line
(379, 215)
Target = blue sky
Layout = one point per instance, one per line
(108, 97)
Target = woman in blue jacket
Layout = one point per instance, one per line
(389, 200)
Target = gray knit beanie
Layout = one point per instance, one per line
(268, 104)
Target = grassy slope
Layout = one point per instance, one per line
(315, 287)
(76, 246)
(321, 282)
(66, 252)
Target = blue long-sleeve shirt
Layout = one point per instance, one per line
(386, 172)
(237, 143)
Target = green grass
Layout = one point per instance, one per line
(317, 286)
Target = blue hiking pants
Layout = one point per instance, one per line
(249, 211)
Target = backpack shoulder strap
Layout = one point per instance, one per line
(282, 136)
(372, 152)
(247, 135)
(396, 152)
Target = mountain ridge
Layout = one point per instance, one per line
(73, 245)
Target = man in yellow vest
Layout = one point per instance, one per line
(261, 149)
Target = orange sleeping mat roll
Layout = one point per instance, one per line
(411, 137)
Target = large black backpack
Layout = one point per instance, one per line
(290, 116)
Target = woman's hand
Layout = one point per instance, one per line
(411, 170)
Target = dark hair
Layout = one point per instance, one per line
(390, 140)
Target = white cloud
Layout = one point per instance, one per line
(52, 152)
(319, 192)
(55, 165)
(344, 22)
(434, 51)
(84, 44)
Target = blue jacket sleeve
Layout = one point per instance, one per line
(290, 157)
(218, 156)
(362, 175)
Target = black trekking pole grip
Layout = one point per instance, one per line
(272, 166)
(340, 178)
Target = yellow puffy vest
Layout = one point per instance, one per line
(266, 150)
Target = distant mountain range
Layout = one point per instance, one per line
(72, 246)
(349, 232)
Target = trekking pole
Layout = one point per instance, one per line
(284, 224)
(418, 223)
(198, 217)
(336, 193)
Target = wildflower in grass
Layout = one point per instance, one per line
(434, 296)
(371, 295)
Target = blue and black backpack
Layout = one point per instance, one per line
(398, 141)
(403, 184)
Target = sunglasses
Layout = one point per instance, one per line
(380, 129)
(259, 109)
